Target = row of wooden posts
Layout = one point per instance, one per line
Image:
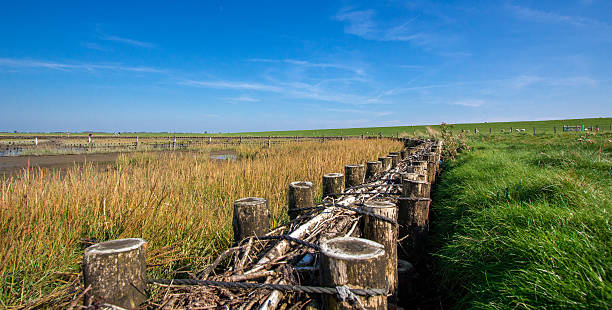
(115, 270)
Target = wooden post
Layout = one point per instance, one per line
(269, 141)
(555, 129)
(372, 168)
(251, 217)
(394, 160)
(384, 233)
(534, 131)
(415, 189)
(301, 195)
(116, 272)
(386, 162)
(333, 183)
(354, 175)
(356, 263)
(420, 166)
(489, 130)
(403, 154)
(413, 219)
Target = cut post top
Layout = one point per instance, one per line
(115, 246)
(301, 184)
(350, 248)
(333, 175)
(250, 201)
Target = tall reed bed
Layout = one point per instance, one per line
(181, 203)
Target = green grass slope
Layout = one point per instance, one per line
(524, 223)
(541, 127)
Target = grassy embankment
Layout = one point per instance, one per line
(541, 127)
(181, 203)
(524, 223)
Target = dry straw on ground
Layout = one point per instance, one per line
(179, 202)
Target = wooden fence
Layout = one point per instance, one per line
(351, 250)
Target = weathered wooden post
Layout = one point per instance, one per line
(420, 166)
(355, 263)
(269, 141)
(384, 233)
(555, 129)
(354, 175)
(415, 189)
(394, 159)
(333, 183)
(116, 272)
(301, 195)
(413, 219)
(534, 131)
(251, 217)
(372, 168)
(386, 162)
(489, 130)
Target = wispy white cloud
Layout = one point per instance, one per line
(355, 111)
(293, 89)
(523, 81)
(41, 64)
(365, 24)
(472, 103)
(96, 46)
(552, 17)
(127, 41)
(243, 99)
(233, 85)
(304, 63)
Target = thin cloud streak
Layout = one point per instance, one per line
(305, 63)
(551, 17)
(39, 64)
(472, 103)
(128, 41)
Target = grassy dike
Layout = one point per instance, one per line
(524, 223)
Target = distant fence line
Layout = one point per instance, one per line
(542, 130)
(16, 145)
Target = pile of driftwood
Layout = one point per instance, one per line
(288, 267)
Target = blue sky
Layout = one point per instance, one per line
(263, 65)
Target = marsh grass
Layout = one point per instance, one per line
(181, 203)
(524, 223)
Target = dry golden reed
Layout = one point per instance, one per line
(181, 203)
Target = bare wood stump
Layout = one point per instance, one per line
(431, 171)
(356, 263)
(301, 195)
(416, 189)
(384, 233)
(420, 166)
(333, 183)
(372, 168)
(116, 272)
(386, 162)
(354, 175)
(251, 217)
(413, 219)
(394, 160)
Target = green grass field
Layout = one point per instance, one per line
(541, 127)
(523, 222)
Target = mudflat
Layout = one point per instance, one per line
(10, 165)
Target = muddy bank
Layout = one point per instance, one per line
(12, 165)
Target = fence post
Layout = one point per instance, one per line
(356, 263)
(251, 217)
(384, 233)
(333, 183)
(372, 168)
(413, 219)
(116, 270)
(301, 195)
(269, 141)
(534, 131)
(354, 175)
(489, 130)
(555, 129)
(415, 189)
(394, 158)
(386, 162)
